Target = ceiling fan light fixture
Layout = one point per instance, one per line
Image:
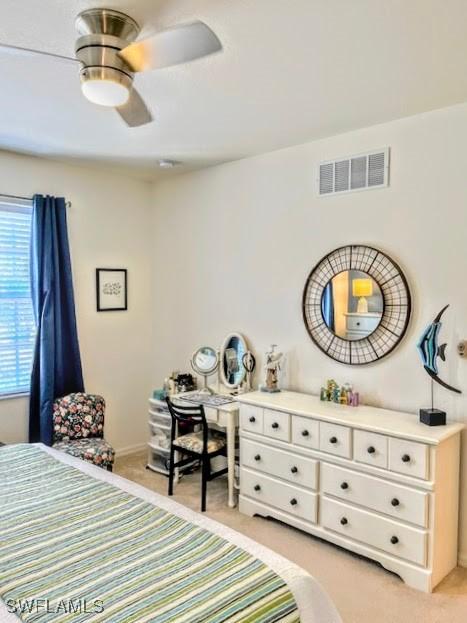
(105, 92)
(105, 86)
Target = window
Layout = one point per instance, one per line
(17, 328)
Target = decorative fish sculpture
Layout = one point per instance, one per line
(430, 351)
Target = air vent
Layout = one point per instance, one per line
(360, 172)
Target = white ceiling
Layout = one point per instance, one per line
(291, 71)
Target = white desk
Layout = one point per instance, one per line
(225, 417)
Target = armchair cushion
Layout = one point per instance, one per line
(94, 450)
(78, 416)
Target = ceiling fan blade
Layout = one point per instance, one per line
(171, 47)
(135, 112)
(19, 51)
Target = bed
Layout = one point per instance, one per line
(79, 544)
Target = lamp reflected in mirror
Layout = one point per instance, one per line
(361, 289)
(352, 305)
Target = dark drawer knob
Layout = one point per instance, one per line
(257, 487)
(395, 502)
(252, 419)
(358, 324)
(394, 540)
(275, 425)
(294, 469)
(371, 450)
(333, 440)
(344, 521)
(293, 502)
(344, 485)
(405, 458)
(305, 433)
(258, 457)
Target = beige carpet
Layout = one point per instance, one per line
(362, 591)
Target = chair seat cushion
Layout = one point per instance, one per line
(194, 442)
(95, 450)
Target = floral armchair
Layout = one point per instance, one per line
(78, 421)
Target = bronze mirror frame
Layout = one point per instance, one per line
(397, 304)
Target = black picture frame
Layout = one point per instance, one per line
(121, 305)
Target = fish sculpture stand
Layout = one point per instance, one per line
(429, 353)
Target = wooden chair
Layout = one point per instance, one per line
(201, 445)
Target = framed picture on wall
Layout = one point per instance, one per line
(111, 289)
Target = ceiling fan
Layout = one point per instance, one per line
(109, 56)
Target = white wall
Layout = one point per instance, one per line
(233, 246)
(108, 227)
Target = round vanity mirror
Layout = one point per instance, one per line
(356, 304)
(352, 305)
(232, 369)
(205, 362)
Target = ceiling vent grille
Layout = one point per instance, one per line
(360, 172)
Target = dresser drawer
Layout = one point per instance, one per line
(385, 534)
(296, 469)
(335, 439)
(251, 419)
(362, 323)
(160, 418)
(287, 498)
(408, 457)
(370, 448)
(385, 497)
(305, 432)
(276, 424)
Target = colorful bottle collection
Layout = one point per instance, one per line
(340, 395)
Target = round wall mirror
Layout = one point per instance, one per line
(356, 304)
(232, 369)
(205, 362)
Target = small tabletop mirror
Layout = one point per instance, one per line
(205, 362)
(231, 366)
(352, 305)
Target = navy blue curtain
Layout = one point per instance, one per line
(56, 369)
(327, 306)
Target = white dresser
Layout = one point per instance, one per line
(374, 481)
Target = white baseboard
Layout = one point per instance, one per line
(130, 449)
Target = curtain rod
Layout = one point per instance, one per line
(67, 203)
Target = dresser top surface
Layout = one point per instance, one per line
(394, 423)
(363, 315)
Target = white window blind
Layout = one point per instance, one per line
(17, 328)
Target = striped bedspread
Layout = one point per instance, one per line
(73, 548)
